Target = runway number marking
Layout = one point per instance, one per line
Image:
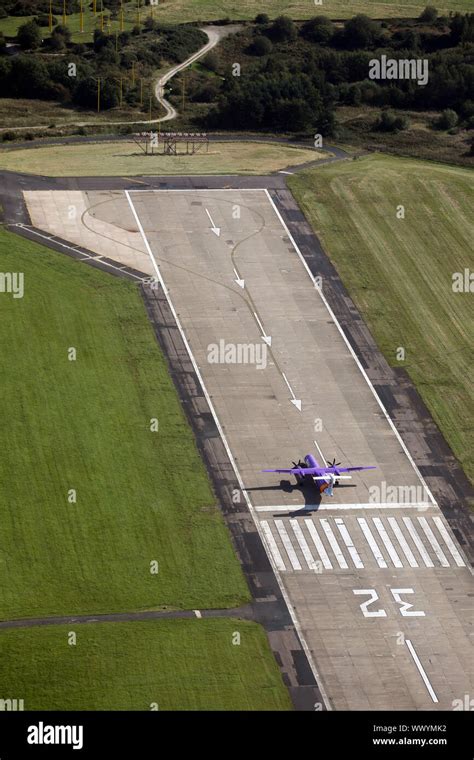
(405, 606)
(405, 610)
(373, 598)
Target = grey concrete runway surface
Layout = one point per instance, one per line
(375, 579)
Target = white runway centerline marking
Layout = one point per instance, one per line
(421, 670)
(449, 542)
(285, 539)
(372, 542)
(349, 543)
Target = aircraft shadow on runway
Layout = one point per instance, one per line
(312, 499)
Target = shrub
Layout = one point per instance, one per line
(262, 18)
(429, 15)
(29, 36)
(447, 119)
(8, 136)
(211, 61)
(260, 46)
(319, 29)
(389, 122)
(283, 29)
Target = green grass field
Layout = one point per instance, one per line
(85, 425)
(180, 11)
(399, 271)
(126, 159)
(174, 665)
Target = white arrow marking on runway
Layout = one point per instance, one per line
(239, 281)
(294, 400)
(265, 337)
(216, 230)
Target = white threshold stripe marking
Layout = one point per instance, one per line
(386, 540)
(327, 507)
(198, 613)
(449, 542)
(403, 542)
(349, 543)
(303, 545)
(432, 539)
(334, 545)
(271, 543)
(421, 670)
(372, 542)
(238, 476)
(285, 539)
(318, 544)
(418, 542)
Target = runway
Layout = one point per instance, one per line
(379, 588)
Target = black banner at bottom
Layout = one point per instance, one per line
(143, 735)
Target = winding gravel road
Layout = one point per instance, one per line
(214, 33)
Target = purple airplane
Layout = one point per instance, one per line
(329, 476)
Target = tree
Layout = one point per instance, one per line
(262, 18)
(319, 29)
(283, 29)
(389, 122)
(29, 36)
(261, 46)
(360, 31)
(429, 15)
(62, 31)
(447, 119)
(211, 61)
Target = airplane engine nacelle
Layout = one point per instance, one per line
(310, 460)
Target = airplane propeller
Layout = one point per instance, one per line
(333, 463)
(300, 464)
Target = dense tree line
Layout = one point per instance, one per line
(302, 73)
(72, 77)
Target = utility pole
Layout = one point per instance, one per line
(94, 7)
(81, 18)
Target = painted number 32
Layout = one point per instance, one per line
(396, 593)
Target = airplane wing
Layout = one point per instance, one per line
(293, 470)
(353, 469)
